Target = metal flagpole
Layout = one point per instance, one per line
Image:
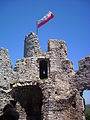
(37, 32)
(37, 28)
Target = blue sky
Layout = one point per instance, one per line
(71, 23)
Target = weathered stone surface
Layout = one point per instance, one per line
(5, 76)
(57, 97)
(31, 45)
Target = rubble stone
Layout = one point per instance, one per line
(5, 76)
(56, 97)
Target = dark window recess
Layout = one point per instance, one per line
(43, 69)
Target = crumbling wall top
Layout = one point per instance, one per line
(84, 63)
(53, 44)
(59, 47)
(82, 76)
(4, 54)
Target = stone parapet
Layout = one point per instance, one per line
(58, 47)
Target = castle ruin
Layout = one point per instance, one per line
(44, 84)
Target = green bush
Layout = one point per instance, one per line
(87, 113)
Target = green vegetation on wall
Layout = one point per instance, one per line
(87, 112)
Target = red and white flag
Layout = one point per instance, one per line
(45, 19)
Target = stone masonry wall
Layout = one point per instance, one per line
(81, 81)
(31, 45)
(5, 76)
(62, 98)
(57, 97)
(84, 73)
(58, 51)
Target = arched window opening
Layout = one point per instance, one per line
(86, 96)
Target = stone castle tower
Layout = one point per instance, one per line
(44, 84)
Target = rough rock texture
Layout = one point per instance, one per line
(5, 76)
(31, 45)
(58, 96)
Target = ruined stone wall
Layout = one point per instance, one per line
(26, 70)
(57, 97)
(5, 76)
(58, 51)
(83, 74)
(57, 89)
(59, 47)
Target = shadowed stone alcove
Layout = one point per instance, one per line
(30, 98)
(43, 64)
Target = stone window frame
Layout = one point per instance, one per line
(48, 66)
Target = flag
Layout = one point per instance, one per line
(45, 19)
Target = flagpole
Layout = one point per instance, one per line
(37, 28)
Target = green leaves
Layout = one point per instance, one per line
(87, 113)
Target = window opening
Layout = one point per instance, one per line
(43, 69)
